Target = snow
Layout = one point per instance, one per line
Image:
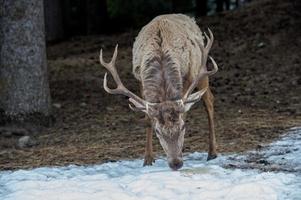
(198, 179)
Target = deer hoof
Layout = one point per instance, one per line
(148, 160)
(211, 157)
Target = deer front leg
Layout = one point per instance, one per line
(208, 103)
(148, 158)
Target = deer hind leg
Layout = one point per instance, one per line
(208, 100)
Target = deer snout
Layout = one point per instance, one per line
(175, 163)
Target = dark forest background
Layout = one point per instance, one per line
(65, 18)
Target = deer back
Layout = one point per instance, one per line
(174, 36)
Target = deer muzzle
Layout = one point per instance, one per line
(175, 163)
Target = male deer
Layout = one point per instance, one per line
(169, 60)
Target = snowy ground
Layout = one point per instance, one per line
(197, 180)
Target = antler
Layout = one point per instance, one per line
(203, 71)
(120, 89)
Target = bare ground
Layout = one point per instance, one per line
(257, 92)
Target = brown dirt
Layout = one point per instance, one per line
(257, 91)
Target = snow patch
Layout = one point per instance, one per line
(128, 180)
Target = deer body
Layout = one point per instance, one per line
(169, 60)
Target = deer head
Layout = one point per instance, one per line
(168, 116)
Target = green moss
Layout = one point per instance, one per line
(2, 86)
(19, 11)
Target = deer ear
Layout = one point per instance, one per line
(136, 106)
(193, 98)
(148, 108)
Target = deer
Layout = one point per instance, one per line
(170, 57)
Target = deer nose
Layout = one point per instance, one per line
(175, 163)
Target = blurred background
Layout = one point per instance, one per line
(81, 17)
(54, 111)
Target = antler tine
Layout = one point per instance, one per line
(113, 60)
(215, 67)
(111, 66)
(120, 89)
(107, 89)
(211, 39)
(205, 50)
(203, 68)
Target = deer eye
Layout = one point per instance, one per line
(159, 132)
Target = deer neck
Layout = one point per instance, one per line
(161, 79)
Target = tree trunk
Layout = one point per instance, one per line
(97, 16)
(53, 20)
(227, 2)
(219, 5)
(201, 8)
(24, 89)
(180, 6)
(74, 17)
